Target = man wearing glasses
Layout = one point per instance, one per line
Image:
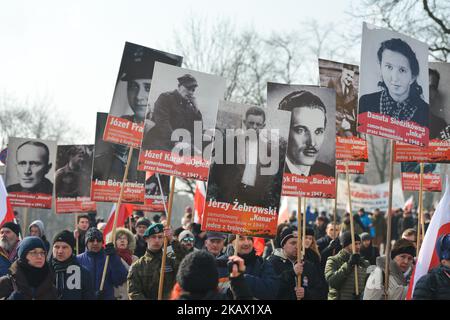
(183, 246)
(32, 166)
(174, 110)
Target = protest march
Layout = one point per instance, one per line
(277, 211)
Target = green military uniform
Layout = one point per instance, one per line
(143, 277)
(341, 277)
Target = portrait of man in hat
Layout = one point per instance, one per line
(174, 110)
(135, 76)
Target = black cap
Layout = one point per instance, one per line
(138, 61)
(346, 238)
(286, 234)
(187, 80)
(65, 236)
(14, 227)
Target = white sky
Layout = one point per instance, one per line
(71, 50)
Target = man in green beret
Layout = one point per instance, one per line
(143, 276)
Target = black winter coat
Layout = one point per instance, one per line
(72, 281)
(314, 284)
(434, 286)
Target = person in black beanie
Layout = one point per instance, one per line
(94, 259)
(402, 258)
(30, 277)
(287, 267)
(198, 278)
(9, 242)
(72, 281)
(339, 270)
(368, 251)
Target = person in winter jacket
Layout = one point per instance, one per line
(72, 281)
(259, 274)
(80, 232)
(436, 284)
(312, 253)
(285, 264)
(30, 277)
(368, 252)
(402, 258)
(94, 258)
(141, 245)
(125, 244)
(215, 243)
(329, 245)
(183, 245)
(36, 229)
(339, 270)
(9, 242)
(198, 278)
(143, 276)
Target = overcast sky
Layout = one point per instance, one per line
(70, 51)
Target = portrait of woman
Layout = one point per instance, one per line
(399, 95)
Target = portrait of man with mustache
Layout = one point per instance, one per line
(306, 134)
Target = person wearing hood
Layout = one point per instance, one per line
(198, 278)
(402, 258)
(368, 251)
(285, 264)
(259, 274)
(72, 281)
(339, 270)
(36, 229)
(125, 245)
(9, 243)
(30, 277)
(435, 285)
(94, 258)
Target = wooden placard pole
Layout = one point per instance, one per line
(304, 227)
(25, 222)
(389, 223)
(335, 204)
(299, 239)
(352, 226)
(164, 254)
(420, 226)
(116, 214)
(77, 246)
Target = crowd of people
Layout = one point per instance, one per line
(83, 264)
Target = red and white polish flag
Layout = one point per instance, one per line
(439, 225)
(6, 210)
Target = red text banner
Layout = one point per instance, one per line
(316, 186)
(168, 163)
(30, 200)
(388, 127)
(151, 205)
(240, 219)
(71, 205)
(437, 151)
(109, 191)
(354, 167)
(431, 182)
(351, 149)
(123, 131)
